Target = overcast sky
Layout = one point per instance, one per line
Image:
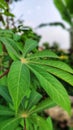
(34, 12)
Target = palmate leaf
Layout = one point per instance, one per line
(29, 46)
(18, 82)
(9, 124)
(54, 63)
(5, 111)
(43, 54)
(52, 87)
(47, 103)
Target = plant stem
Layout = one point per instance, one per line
(5, 73)
(24, 125)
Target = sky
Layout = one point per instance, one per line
(35, 12)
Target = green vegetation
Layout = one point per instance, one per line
(25, 74)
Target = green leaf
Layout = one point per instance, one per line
(43, 54)
(5, 94)
(42, 123)
(6, 13)
(18, 82)
(33, 99)
(47, 103)
(18, 128)
(3, 4)
(52, 87)
(12, 52)
(69, 4)
(67, 77)
(9, 124)
(29, 46)
(28, 124)
(54, 63)
(63, 10)
(5, 111)
(49, 121)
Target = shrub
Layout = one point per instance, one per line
(23, 72)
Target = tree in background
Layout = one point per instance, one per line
(65, 7)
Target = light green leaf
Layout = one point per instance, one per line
(49, 121)
(33, 99)
(18, 82)
(52, 87)
(53, 63)
(42, 54)
(29, 46)
(67, 77)
(42, 123)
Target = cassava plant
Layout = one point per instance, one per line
(23, 72)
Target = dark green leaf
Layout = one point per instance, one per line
(63, 10)
(5, 111)
(33, 99)
(47, 103)
(9, 124)
(5, 94)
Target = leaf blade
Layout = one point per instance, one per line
(52, 87)
(29, 46)
(42, 54)
(18, 84)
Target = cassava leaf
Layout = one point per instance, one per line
(42, 54)
(12, 52)
(53, 63)
(47, 103)
(67, 77)
(29, 46)
(18, 82)
(5, 94)
(52, 87)
(5, 111)
(49, 121)
(33, 99)
(9, 124)
(42, 123)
